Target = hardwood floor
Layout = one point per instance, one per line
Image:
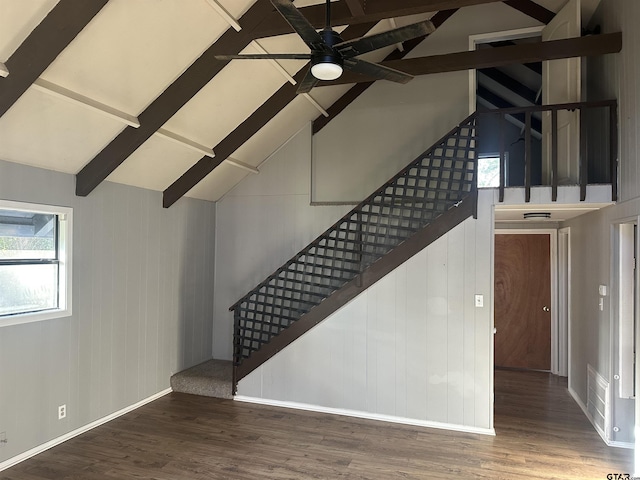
(541, 434)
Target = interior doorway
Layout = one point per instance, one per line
(523, 293)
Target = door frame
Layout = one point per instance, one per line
(556, 349)
(475, 40)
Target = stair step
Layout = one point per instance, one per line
(212, 378)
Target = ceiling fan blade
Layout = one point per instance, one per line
(299, 23)
(362, 45)
(376, 71)
(307, 83)
(265, 56)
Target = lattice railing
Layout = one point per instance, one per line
(426, 189)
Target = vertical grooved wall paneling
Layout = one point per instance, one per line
(142, 308)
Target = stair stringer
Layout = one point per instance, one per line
(378, 270)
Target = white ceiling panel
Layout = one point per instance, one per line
(155, 165)
(217, 184)
(234, 94)
(18, 18)
(132, 50)
(48, 132)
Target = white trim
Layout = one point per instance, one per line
(78, 431)
(365, 415)
(242, 165)
(564, 305)
(556, 348)
(315, 104)
(224, 14)
(4, 71)
(185, 142)
(74, 97)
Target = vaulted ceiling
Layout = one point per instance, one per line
(131, 91)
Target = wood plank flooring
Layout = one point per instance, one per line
(541, 434)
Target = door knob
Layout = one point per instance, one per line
(546, 309)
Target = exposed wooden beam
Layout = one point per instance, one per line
(245, 130)
(495, 57)
(261, 20)
(43, 45)
(531, 8)
(192, 80)
(534, 67)
(354, 92)
(375, 11)
(355, 7)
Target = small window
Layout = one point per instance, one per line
(35, 262)
(489, 171)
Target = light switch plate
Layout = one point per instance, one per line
(602, 290)
(479, 300)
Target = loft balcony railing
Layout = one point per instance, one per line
(563, 144)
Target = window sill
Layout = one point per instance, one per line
(23, 318)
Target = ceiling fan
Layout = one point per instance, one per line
(330, 55)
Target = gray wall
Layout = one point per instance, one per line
(593, 334)
(261, 224)
(142, 308)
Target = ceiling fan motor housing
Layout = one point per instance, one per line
(326, 63)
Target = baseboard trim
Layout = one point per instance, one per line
(366, 415)
(78, 431)
(583, 407)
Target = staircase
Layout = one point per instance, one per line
(421, 203)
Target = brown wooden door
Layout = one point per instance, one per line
(522, 301)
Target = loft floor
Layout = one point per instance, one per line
(541, 434)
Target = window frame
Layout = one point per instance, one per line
(64, 253)
(490, 155)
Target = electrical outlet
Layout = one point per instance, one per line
(3, 439)
(62, 412)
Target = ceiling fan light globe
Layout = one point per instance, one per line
(326, 71)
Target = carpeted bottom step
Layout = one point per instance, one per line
(211, 379)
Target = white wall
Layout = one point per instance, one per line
(412, 346)
(142, 283)
(391, 124)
